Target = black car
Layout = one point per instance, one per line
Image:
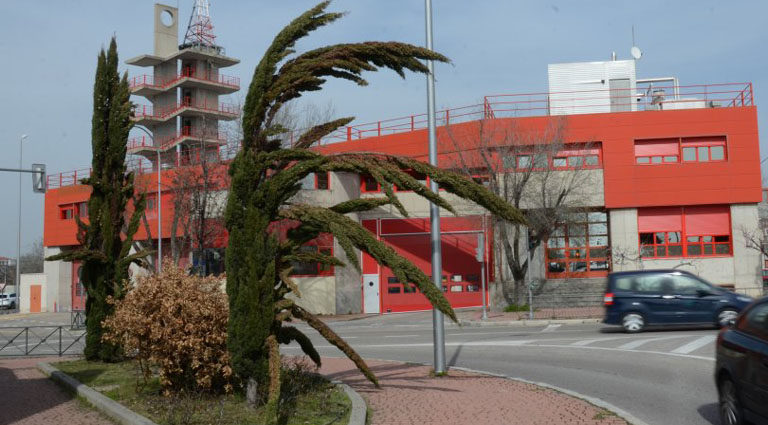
(741, 368)
(635, 299)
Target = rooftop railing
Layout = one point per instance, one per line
(645, 97)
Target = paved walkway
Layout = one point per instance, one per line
(27, 397)
(408, 395)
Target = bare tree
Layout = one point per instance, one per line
(32, 261)
(536, 171)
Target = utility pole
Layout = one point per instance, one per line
(18, 232)
(438, 330)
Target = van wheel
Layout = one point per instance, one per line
(726, 317)
(633, 322)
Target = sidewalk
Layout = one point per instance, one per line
(473, 317)
(30, 398)
(408, 395)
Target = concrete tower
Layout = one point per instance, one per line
(183, 90)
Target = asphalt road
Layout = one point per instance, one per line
(662, 377)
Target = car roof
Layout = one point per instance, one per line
(651, 271)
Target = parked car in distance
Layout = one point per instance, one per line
(636, 299)
(8, 301)
(741, 368)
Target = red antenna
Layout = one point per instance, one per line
(200, 28)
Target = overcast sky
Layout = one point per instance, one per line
(48, 52)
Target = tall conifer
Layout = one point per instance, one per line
(105, 240)
(265, 176)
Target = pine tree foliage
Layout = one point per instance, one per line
(104, 248)
(265, 176)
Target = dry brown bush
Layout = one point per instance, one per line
(176, 323)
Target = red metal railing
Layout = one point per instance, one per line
(148, 112)
(146, 142)
(644, 98)
(161, 84)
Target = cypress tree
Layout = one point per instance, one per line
(265, 176)
(105, 240)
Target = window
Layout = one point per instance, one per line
(756, 321)
(657, 151)
(704, 149)
(151, 203)
(698, 231)
(580, 247)
(322, 181)
(67, 212)
(323, 244)
(369, 184)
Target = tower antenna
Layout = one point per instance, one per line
(200, 28)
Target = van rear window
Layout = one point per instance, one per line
(639, 283)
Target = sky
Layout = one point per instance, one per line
(49, 49)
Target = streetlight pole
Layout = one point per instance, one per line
(18, 232)
(159, 265)
(438, 330)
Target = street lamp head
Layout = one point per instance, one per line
(23, 137)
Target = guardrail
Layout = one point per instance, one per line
(40, 341)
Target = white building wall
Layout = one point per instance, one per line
(47, 296)
(583, 87)
(58, 277)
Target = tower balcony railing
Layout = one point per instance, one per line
(160, 114)
(149, 81)
(145, 143)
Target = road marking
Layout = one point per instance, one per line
(694, 345)
(590, 341)
(637, 343)
(400, 336)
(551, 328)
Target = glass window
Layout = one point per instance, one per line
(703, 153)
(323, 181)
(577, 230)
(473, 288)
(392, 279)
(508, 161)
(540, 161)
(598, 240)
(689, 154)
(643, 160)
(578, 267)
(598, 252)
(686, 285)
(717, 153)
(556, 242)
(670, 158)
(575, 161)
(757, 320)
(523, 161)
(591, 160)
(457, 288)
(598, 228)
(597, 216)
(370, 184)
(82, 209)
(556, 253)
(409, 288)
(577, 241)
(393, 289)
(559, 162)
(655, 160)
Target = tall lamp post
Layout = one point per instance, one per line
(159, 202)
(438, 330)
(18, 232)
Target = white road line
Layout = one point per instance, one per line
(400, 336)
(551, 328)
(694, 345)
(637, 343)
(590, 341)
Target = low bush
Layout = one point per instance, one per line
(513, 308)
(177, 324)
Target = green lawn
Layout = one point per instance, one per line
(307, 399)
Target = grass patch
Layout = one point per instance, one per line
(515, 308)
(603, 414)
(307, 399)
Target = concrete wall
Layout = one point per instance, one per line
(58, 276)
(47, 299)
(166, 37)
(317, 294)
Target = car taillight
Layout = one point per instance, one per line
(608, 299)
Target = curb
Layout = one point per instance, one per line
(357, 415)
(632, 419)
(526, 322)
(109, 407)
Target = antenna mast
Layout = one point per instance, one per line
(200, 28)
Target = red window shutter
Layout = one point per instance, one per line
(708, 220)
(659, 219)
(656, 147)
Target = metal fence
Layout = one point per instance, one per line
(40, 341)
(585, 305)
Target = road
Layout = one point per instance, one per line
(663, 377)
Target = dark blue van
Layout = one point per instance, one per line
(640, 298)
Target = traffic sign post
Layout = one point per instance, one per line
(480, 256)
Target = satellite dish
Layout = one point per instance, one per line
(636, 52)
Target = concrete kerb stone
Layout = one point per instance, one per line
(525, 322)
(357, 415)
(106, 405)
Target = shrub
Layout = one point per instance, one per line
(175, 323)
(512, 308)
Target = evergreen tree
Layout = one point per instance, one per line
(265, 176)
(105, 241)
